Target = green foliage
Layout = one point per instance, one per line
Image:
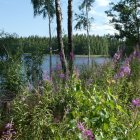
(83, 19)
(135, 68)
(125, 17)
(12, 75)
(100, 106)
(100, 45)
(102, 103)
(32, 116)
(44, 7)
(32, 68)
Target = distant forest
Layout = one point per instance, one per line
(100, 45)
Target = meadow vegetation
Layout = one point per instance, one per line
(101, 102)
(93, 102)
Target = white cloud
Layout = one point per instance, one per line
(98, 15)
(102, 3)
(99, 29)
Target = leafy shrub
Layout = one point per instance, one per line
(56, 115)
(32, 116)
(13, 76)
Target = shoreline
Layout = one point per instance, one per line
(78, 55)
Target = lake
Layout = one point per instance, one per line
(32, 71)
(32, 68)
(79, 60)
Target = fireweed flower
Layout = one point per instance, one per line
(8, 125)
(85, 132)
(89, 134)
(136, 53)
(61, 75)
(127, 61)
(80, 126)
(8, 132)
(121, 74)
(117, 56)
(123, 71)
(136, 102)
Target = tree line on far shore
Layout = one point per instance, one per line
(100, 45)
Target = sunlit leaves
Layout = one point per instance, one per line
(125, 17)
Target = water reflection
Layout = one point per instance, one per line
(78, 61)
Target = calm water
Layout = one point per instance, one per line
(78, 61)
(32, 71)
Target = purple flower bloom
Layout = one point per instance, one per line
(14, 132)
(136, 102)
(85, 132)
(8, 132)
(127, 61)
(89, 134)
(8, 125)
(80, 126)
(124, 71)
(117, 56)
(62, 75)
(136, 54)
(121, 74)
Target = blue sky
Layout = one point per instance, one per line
(17, 17)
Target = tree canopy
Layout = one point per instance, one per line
(44, 7)
(125, 15)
